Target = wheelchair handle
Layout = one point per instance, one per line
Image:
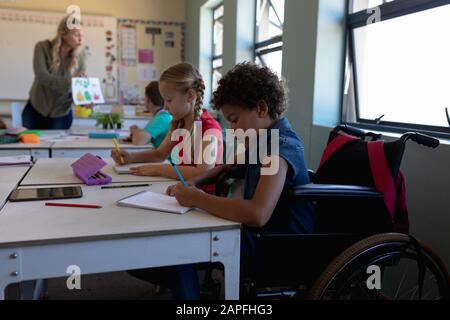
(422, 139)
(351, 131)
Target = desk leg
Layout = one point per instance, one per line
(10, 269)
(226, 250)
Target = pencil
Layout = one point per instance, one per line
(118, 150)
(73, 205)
(177, 171)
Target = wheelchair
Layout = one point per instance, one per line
(356, 253)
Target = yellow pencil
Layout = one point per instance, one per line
(118, 150)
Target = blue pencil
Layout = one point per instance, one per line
(178, 173)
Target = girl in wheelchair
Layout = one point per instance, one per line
(251, 98)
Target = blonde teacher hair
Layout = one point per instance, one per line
(183, 77)
(57, 42)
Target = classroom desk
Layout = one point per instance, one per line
(140, 121)
(100, 147)
(39, 242)
(9, 180)
(41, 150)
(58, 171)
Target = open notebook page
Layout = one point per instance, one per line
(125, 169)
(154, 201)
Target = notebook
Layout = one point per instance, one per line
(125, 169)
(15, 161)
(153, 201)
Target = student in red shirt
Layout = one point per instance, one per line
(182, 88)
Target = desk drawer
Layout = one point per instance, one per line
(14, 152)
(40, 153)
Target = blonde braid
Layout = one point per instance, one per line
(200, 90)
(183, 77)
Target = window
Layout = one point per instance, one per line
(269, 33)
(217, 61)
(399, 65)
(360, 5)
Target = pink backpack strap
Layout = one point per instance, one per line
(381, 174)
(335, 144)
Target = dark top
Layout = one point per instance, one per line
(288, 216)
(51, 93)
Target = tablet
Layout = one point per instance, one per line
(38, 194)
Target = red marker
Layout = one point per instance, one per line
(86, 206)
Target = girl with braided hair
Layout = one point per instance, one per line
(182, 88)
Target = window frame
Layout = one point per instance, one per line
(257, 51)
(390, 10)
(215, 58)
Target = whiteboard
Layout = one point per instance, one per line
(20, 30)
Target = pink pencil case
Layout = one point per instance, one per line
(88, 167)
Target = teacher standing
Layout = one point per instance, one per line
(55, 62)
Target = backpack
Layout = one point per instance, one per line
(376, 164)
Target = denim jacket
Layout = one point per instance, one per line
(288, 216)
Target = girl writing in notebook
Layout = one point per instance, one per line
(182, 88)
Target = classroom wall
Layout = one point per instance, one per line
(169, 10)
(314, 38)
(173, 10)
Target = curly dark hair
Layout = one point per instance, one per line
(247, 84)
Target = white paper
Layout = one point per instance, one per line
(126, 169)
(129, 50)
(131, 92)
(106, 108)
(87, 91)
(147, 73)
(154, 201)
(15, 160)
(129, 111)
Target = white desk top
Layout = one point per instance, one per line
(32, 223)
(42, 145)
(85, 143)
(56, 171)
(9, 180)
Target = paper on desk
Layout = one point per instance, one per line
(87, 91)
(154, 201)
(126, 169)
(16, 161)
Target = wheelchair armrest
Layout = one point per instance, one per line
(314, 192)
(312, 175)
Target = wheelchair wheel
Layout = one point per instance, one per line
(384, 267)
